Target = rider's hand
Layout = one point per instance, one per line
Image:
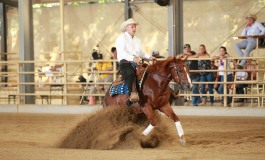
(152, 58)
(137, 60)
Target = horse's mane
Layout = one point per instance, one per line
(159, 64)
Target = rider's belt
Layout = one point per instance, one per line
(124, 61)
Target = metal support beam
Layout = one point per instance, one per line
(62, 47)
(10, 3)
(175, 30)
(26, 50)
(175, 34)
(3, 27)
(3, 40)
(127, 9)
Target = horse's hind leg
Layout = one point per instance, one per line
(170, 113)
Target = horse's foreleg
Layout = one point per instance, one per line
(148, 111)
(170, 113)
(148, 129)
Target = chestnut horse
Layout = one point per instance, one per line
(155, 91)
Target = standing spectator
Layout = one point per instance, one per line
(222, 55)
(216, 74)
(194, 76)
(253, 28)
(156, 54)
(114, 56)
(205, 76)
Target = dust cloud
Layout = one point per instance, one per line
(119, 128)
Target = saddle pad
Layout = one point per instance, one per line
(119, 89)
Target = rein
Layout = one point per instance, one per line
(175, 68)
(142, 79)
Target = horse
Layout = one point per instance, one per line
(155, 91)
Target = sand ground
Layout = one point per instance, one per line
(36, 136)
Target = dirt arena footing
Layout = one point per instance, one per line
(179, 110)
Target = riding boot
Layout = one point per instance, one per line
(134, 97)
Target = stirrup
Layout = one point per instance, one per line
(134, 97)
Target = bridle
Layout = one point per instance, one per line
(177, 73)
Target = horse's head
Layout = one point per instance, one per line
(179, 72)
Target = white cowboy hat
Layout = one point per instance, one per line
(251, 16)
(128, 22)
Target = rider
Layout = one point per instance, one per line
(129, 54)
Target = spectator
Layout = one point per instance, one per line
(241, 76)
(157, 55)
(251, 69)
(222, 55)
(114, 56)
(194, 76)
(253, 28)
(216, 74)
(114, 52)
(205, 76)
(104, 77)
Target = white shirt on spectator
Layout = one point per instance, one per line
(240, 75)
(256, 29)
(221, 65)
(129, 47)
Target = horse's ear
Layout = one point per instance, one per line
(170, 58)
(178, 56)
(184, 58)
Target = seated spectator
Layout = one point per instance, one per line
(240, 76)
(105, 77)
(222, 55)
(253, 28)
(251, 69)
(103, 66)
(205, 76)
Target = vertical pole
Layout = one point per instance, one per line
(4, 68)
(127, 9)
(175, 34)
(175, 27)
(26, 50)
(62, 50)
(225, 84)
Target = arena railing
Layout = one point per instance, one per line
(68, 89)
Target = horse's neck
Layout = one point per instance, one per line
(161, 75)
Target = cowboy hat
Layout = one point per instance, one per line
(128, 22)
(251, 16)
(154, 53)
(186, 46)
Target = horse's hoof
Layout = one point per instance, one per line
(149, 142)
(182, 141)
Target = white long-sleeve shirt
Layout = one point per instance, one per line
(129, 47)
(256, 29)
